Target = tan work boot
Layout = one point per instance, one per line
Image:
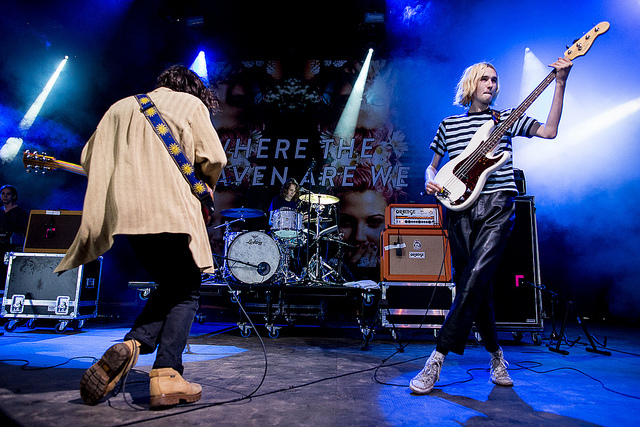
(168, 388)
(103, 376)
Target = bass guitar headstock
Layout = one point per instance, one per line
(583, 44)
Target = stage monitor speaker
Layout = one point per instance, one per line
(51, 231)
(517, 301)
(418, 255)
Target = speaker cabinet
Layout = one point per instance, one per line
(51, 231)
(415, 255)
(517, 302)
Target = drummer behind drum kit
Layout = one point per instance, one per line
(256, 257)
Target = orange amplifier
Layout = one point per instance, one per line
(415, 255)
(413, 216)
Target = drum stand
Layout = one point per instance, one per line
(318, 272)
(288, 276)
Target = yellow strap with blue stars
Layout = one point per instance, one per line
(198, 187)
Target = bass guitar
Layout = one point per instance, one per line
(463, 178)
(42, 163)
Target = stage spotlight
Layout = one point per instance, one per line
(12, 145)
(533, 72)
(346, 127)
(199, 66)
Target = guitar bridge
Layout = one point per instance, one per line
(444, 194)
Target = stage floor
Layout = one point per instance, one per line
(323, 377)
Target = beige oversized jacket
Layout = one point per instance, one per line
(134, 186)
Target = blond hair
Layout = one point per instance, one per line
(469, 83)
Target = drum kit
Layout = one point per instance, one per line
(258, 257)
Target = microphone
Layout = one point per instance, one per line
(312, 164)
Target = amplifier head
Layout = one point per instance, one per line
(413, 216)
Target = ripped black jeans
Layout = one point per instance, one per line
(478, 236)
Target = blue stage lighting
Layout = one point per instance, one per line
(12, 145)
(199, 66)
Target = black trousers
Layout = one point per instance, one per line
(478, 236)
(166, 319)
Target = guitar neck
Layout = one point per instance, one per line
(70, 167)
(42, 163)
(499, 131)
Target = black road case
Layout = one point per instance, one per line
(33, 291)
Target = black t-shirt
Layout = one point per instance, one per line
(13, 221)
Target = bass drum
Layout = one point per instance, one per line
(253, 257)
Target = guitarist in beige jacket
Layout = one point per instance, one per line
(135, 189)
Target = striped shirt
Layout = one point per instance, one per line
(455, 133)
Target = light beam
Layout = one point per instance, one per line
(12, 146)
(346, 127)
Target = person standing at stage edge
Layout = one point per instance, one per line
(478, 234)
(135, 189)
(13, 224)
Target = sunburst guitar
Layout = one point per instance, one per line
(463, 178)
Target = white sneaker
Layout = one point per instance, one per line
(423, 382)
(499, 373)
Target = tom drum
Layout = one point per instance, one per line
(286, 224)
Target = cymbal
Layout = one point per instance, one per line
(319, 199)
(242, 213)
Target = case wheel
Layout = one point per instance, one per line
(11, 325)
(245, 330)
(77, 326)
(31, 323)
(61, 326)
(517, 336)
(274, 332)
(396, 335)
(536, 338)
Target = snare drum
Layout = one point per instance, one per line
(286, 223)
(253, 257)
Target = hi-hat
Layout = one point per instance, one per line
(319, 199)
(242, 213)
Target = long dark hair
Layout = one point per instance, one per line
(182, 79)
(285, 188)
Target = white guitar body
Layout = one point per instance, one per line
(463, 178)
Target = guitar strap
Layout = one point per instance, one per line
(198, 187)
(495, 115)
